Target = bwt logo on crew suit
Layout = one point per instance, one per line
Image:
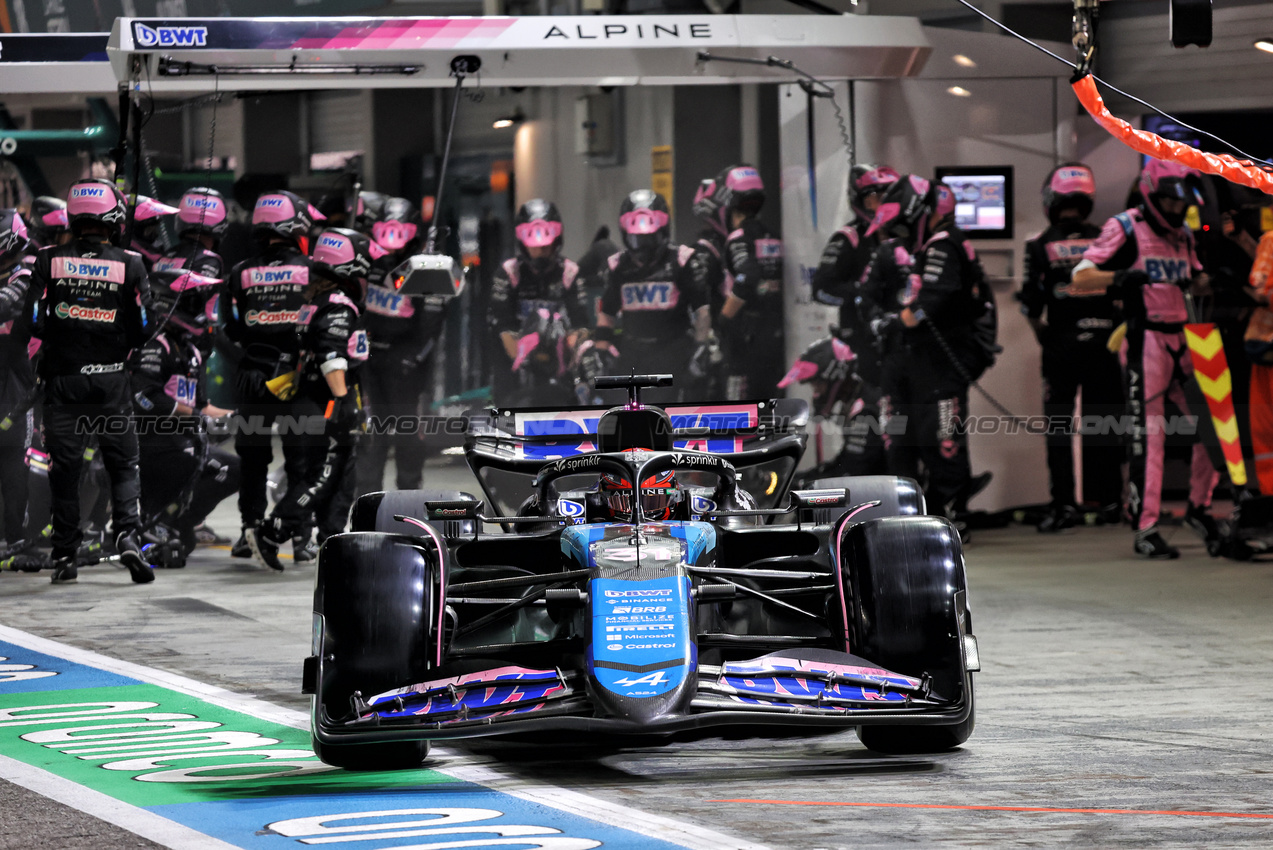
(169, 36)
(1165, 270)
(650, 296)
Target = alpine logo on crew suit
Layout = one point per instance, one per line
(650, 295)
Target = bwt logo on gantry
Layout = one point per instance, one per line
(169, 36)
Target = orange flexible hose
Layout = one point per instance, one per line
(1234, 170)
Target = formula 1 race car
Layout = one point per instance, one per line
(651, 574)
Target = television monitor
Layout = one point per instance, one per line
(983, 199)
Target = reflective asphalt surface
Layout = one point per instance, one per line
(1122, 703)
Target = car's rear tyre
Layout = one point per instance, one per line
(377, 597)
(907, 599)
(376, 511)
(897, 496)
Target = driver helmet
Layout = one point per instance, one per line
(866, 181)
(1071, 185)
(147, 238)
(643, 218)
(826, 363)
(14, 239)
(538, 225)
(1162, 180)
(47, 220)
(660, 496)
(904, 210)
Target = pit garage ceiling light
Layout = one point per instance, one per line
(959, 91)
(963, 61)
(509, 120)
(1265, 44)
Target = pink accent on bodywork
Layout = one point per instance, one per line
(111, 271)
(1071, 179)
(148, 208)
(525, 346)
(393, 235)
(538, 233)
(837, 534)
(801, 371)
(643, 221)
(91, 198)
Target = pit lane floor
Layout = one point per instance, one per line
(1121, 703)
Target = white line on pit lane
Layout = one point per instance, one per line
(136, 820)
(455, 765)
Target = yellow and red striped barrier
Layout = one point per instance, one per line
(1211, 369)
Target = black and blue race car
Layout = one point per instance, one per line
(641, 570)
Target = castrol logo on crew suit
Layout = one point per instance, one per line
(84, 314)
(272, 317)
(650, 295)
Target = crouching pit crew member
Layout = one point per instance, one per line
(182, 477)
(333, 346)
(92, 313)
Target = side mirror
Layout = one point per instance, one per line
(809, 502)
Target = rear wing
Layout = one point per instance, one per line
(544, 434)
(765, 439)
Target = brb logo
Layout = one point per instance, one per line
(169, 36)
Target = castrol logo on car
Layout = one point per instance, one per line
(86, 314)
(273, 317)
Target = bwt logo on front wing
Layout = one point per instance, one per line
(169, 36)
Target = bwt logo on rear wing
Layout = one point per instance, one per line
(573, 432)
(169, 36)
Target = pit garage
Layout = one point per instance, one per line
(189, 711)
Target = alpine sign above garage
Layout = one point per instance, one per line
(245, 53)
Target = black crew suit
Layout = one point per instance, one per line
(264, 297)
(1074, 355)
(92, 313)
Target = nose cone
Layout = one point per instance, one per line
(642, 655)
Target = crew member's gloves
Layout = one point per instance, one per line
(344, 415)
(1126, 282)
(250, 385)
(884, 326)
(706, 357)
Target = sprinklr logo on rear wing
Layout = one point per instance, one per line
(168, 36)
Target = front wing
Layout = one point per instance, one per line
(765, 692)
